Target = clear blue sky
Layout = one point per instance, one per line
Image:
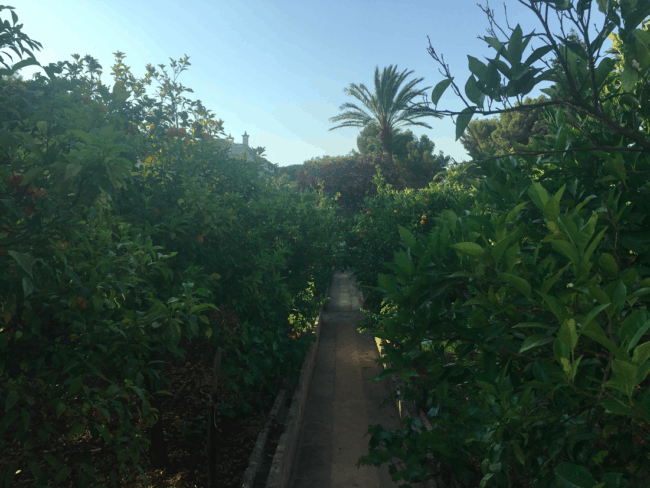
(275, 69)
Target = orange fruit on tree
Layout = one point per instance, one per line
(422, 222)
(424, 217)
(200, 238)
(426, 200)
(394, 211)
(368, 212)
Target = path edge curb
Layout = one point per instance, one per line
(285, 453)
(256, 457)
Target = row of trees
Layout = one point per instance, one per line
(517, 310)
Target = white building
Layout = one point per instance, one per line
(246, 151)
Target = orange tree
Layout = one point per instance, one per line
(126, 232)
(541, 284)
(372, 233)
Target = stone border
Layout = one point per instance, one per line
(260, 444)
(285, 453)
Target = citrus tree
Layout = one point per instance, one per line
(540, 285)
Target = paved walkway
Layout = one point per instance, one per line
(342, 402)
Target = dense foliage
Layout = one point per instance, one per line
(127, 231)
(351, 177)
(499, 135)
(539, 284)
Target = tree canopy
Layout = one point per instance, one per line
(388, 107)
(502, 132)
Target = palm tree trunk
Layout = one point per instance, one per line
(385, 138)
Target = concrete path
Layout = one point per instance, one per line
(342, 402)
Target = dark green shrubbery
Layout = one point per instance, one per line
(540, 284)
(126, 232)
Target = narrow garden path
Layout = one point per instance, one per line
(342, 402)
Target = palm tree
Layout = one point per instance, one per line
(387, 107)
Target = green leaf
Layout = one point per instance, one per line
(488, 387)
(407, 236)
(27, 287)
(76, 431)
(11, 400)
(596, 332)
(478, 68)
(538, 195)
(552, 210)
(624, 376)
(515, 47)
(384, 373)
(538, 54)
(590, 316)
(605, 67)
(84, 136)
(60, 408)
(578, 475)
(613, 406)
(515, 281)
(535, 340)
(586, 232)
(25, 62)
(567, 249)
(592, 247)
(473, 93)
(500, 247)
(633, 327)
(556, 306)
(72, 170)
(568, 335)
(541, 373)
(512, 213)
(463, 119)
(470, 248)
(519, 454)
(439, 90)
(641, 354)
(608, 264)
(75, 384)
(24, 260)
(496, 44)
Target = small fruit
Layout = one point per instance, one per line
(187, 365)
(368, 212)
(422, 222)
(84, 99)
(157, 212)
(199, 238)
(395, 211)
(424, 217)
(177, 419)
(426, 200)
